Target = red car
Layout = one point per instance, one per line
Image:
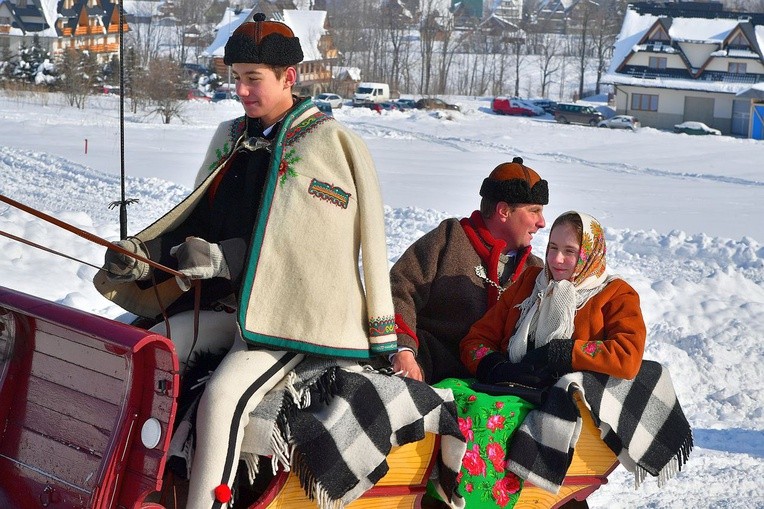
(507, 106)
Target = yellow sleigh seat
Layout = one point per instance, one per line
(410, 466)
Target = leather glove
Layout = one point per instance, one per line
(199, 259)
(496, 368)
(538, 357)
(121, 268)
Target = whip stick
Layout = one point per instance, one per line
(89, 236)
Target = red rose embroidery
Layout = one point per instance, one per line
(496, 456)
(473, 462)
(495, 422)
(465, 426)
(480, 352)
(512, 483)
(500, 493)
(505, 487)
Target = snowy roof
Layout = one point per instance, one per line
(354, 73)
(141, 7)
(677, 84)
(701, 30)
(49, 10)
(680, 29)
(308, 26)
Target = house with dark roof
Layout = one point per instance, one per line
(314, 73)
(689, 61)
(91, 25)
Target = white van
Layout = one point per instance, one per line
(368, 93)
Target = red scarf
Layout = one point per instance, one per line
(489, 249)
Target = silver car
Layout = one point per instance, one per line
(333, 99)
(621, 122)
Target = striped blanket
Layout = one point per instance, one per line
(640, 420)
(334, 425)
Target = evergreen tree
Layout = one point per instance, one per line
(33, 64)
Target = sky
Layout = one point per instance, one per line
(682, 217)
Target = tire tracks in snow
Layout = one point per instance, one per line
(463, 144)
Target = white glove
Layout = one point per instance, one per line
(199, 259)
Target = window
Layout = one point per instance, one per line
(5, 20)
(736, 68)
(644, 102)
(21, 4)
(657, 63)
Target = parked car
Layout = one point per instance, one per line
(405, 104)
(222, 95)
(433, 103)
(566, 113)
(324, 106)
(692, 127)
(621, 122)
(333, 99)
(545, 104)
(194, 94)
(507, 106)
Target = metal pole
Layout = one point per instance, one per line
(122, 202)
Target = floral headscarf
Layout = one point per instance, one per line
(591, 255)
(556, 302)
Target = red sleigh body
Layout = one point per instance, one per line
(87, 405)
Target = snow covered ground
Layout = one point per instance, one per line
(683, 217)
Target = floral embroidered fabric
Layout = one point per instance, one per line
(487, 423)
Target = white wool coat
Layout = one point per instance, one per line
(321, 213)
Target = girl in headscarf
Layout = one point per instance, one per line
(572, 315)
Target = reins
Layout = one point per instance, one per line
(114, 247)
(81, 233)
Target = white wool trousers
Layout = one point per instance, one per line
(216, 333)
(232, 392)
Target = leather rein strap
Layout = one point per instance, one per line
(109, 245)
(85, 235)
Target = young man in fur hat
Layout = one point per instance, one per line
(447, 279)
(286, 199)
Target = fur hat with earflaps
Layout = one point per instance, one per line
(515, 183)
(263, 42)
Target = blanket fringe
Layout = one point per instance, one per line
(279, 440)
(312, 487)
(670, 469)
(253, 466)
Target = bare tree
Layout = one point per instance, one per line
(584, 19)
(607, 20)
(549, 63)
(164, 88)
(518, 59)
(428, 31)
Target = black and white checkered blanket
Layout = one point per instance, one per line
(335, 426)
(640, 420)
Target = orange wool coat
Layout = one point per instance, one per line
(609, 335)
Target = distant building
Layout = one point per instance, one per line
(690, 61)
(91, 25)
(314, 74)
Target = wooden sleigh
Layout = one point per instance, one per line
(87, 405)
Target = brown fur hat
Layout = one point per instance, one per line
(515, 183)
(263, 42)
